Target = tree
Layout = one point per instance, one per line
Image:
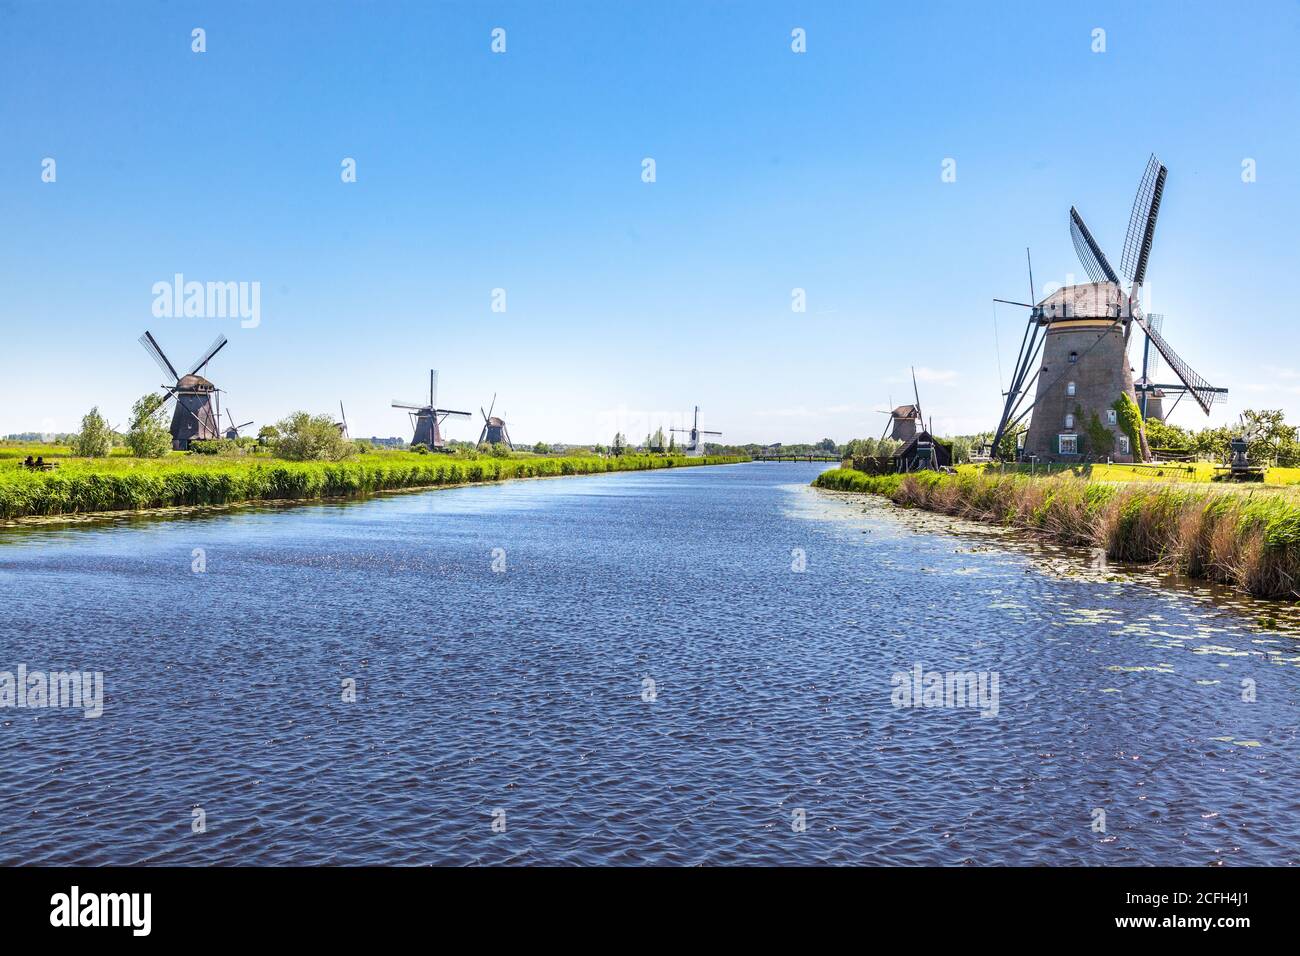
(541, 448)
(95, 439)
(827, 445)
(672, 443)
(1162, 436)
(961, 449)
(305, 437)
(1270, 437)
(268, 435)
(149, 436)
(1008, 449)
(620, 443)
(657, 440)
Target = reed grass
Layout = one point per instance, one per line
(85, 485)
(1246, 538)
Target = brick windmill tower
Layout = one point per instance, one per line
(1074, 354)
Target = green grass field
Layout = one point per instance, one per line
(122, 483)
(1197, 472)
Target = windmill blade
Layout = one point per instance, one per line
(155, 351)
(1201, 390)
(344, 416)
(433, 387)
(444, 412)
(413, 406)
(1157, 322)
(483, 413)
(1142, 222)
(492, 407)
(1090, 254)
(217, 345)
(705, 432)
(245, 425)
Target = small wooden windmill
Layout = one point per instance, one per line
(693, 446)
(198, 405)
(428, 418)
(232, 432)
(494, 427)
(905, 421)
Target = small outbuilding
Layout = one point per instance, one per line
(923, 451)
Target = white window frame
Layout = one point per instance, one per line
(1069, 388)
(1123, 444)
(1112, 417)
(1069, 420)
(1072, 439)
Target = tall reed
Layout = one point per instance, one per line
(136, 484)
(1246, 538)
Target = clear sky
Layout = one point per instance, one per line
(629, 302)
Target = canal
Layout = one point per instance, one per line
(712, 665)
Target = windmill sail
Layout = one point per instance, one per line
(1152, 361)
(156, 353)
(1094, 260)
(217, 345)
(1142, 222)
(1201, 390)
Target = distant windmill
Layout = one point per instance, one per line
(905, 421)
(429, 417)
(342, 425)
(693, 442)
(494, 428)
(198, 412)
(233, 431)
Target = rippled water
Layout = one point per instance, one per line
(522, 692)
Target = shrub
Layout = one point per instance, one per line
(95, 440)
(304, 437)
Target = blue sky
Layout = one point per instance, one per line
(629, 302)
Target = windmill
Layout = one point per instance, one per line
(693, 442)
(905, 421)
(198, 405)
(1082, 333)
(428, 418)
(342, 424)
(233, 431)
(494, 427)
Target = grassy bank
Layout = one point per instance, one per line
(131, 484)
(1249, 539)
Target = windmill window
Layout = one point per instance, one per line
(1111, 416)
(1074, 357)
(1068, 444)
(1069, 421)
(1069, 389)
(1123, 444)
